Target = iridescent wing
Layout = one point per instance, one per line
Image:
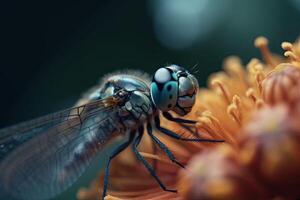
(42, 157)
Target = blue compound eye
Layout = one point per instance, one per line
(164, 89)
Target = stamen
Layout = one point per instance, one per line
(205, 124)
(251, 65)
(262, 44)
(222, 87)
(212, 124)
(234, 109)
(256, 73)
(237, 100)
(259, 77)
(259, 104)
(109, 197)
(250, 93)
(291, 55)
(255, 67)
(287, 46)
(231, 111)
(290, 51)
(155, 157)
(233, 66)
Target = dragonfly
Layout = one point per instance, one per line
(41, 158)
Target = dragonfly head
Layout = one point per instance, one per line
(173, 88)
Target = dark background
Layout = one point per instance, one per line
(51, 52)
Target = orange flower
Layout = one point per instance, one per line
(232, 108)
(218, 174)
(282, 85)
(270, 150)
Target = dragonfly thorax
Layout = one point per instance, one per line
(138, 107)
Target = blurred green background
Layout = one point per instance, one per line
(51, 52)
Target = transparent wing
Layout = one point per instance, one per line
(42, 157)
(14, 136)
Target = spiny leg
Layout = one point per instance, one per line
(118, 150)
(189, 129)
(179, 137)
(182, 123)
(136, 142)
(178, 120)
(162, 146)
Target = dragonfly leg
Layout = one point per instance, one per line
(118, 150)
(182, 122)
(163, 146)
(154, 152)
(178, 120)
(179, 137)
(136, 142)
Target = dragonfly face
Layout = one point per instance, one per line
(42, 157)
(174, 88)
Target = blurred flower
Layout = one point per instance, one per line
(218, 174)
(292, 52)
(282, 85)
(251, 108)
(270, 149)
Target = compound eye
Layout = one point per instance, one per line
(162, 75)
(164, 89)
(186, 86)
